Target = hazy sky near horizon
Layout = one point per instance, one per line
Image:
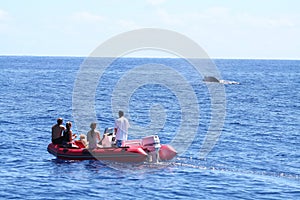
(268, 29)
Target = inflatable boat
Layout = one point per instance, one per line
(147, 149)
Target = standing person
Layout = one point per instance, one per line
(121, 127)
(68, 134)
(93, 136)
(57, 130)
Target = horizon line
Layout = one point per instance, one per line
(213, 58)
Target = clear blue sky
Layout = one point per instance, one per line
(224, 28)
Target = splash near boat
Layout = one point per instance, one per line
(147, 149)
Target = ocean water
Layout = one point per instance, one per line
(256, 156)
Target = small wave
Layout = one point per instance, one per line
(225, 82)
(136, 167)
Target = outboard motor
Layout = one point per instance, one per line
(152, 145)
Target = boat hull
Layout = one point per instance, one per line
(113, 154)
(141, 150)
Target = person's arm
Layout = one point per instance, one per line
(87, 137)
(99, 137)
(116, 126)
(52, 132)
(70, 135)
(62, 127)
(74, 136)
(102, 138)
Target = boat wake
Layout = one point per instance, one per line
(205, 166)
(195, 164)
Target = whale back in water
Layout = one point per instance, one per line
(210, 79)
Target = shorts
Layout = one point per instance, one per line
(119, 143)
(58, 140)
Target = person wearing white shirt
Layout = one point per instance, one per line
(121, 128)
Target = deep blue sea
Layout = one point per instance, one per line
(257, 155)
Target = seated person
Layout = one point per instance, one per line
(93, 136)
(57, 130)
(68, 135)
(82, 139)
